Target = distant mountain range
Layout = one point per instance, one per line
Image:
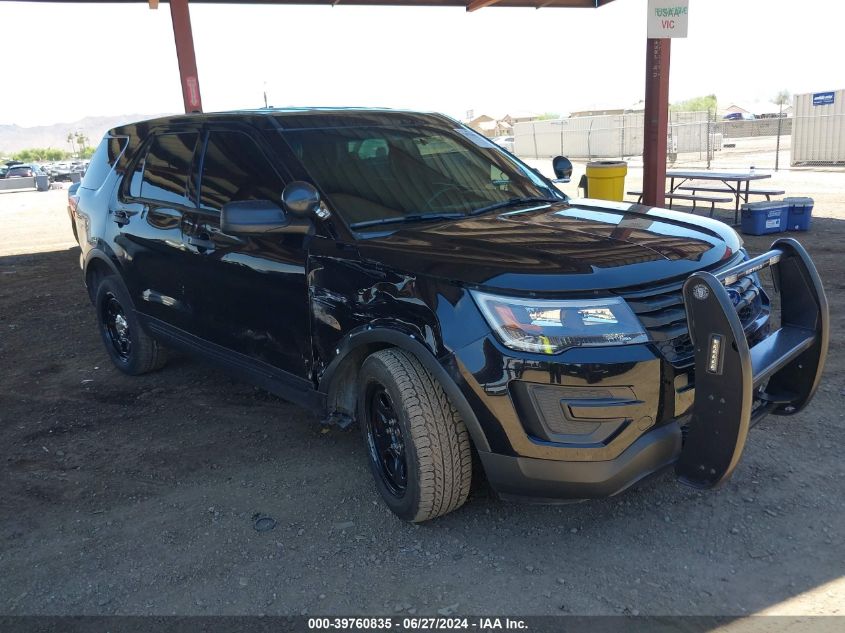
(14, 138)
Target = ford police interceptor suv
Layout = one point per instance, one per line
(399, 271)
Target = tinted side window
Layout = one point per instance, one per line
(235, 168)
(103, 160)
(166, 168)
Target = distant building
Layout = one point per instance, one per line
(520, 116)
(490, 125)
(500, 125)
(598, 112)
(606, 109)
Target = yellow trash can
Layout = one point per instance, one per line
(606, 179)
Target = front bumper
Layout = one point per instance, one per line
(591, 422)
(548, 480)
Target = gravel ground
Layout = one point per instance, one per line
(139, 495)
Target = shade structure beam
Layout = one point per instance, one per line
(475, 5)
(185, 55)
(656, 121)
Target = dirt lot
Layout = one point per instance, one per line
(137, 495)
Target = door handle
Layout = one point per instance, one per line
(202, 243)
(219, 236)
(122, 216)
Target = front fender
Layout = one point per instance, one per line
(372, 338)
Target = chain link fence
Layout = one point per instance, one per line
(695, 139)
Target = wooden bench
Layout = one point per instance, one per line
(759, 192)
(686, 196)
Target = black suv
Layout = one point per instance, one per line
(399, 270)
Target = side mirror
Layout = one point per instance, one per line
(562, 167)
(301, 199)
(252, 217)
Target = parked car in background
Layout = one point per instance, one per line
(505, 142)
(19, 175)
(398, 270)
(23, 170)
(739, 116)
(58, 171)
(67, 171)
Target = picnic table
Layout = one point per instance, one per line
(737, 183)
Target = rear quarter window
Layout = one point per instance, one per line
(103, 161)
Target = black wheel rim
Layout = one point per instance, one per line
(385, 440)
(116, 327)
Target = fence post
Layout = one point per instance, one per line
(534, 134)
(622, 138)
(710, 140)
(780, 127)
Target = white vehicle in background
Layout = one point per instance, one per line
(505, 142)
(69, 171)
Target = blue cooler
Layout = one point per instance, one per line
(759, 218)
(800, 212)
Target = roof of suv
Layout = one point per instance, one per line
(300, 118)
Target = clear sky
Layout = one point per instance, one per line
(74, 60)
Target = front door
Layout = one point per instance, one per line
(249, 292)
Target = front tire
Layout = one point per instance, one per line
(417, 445)
(130, 348)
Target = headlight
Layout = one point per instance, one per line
(549, 326)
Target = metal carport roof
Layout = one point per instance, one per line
(470, 5)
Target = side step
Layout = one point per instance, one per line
(736, 386)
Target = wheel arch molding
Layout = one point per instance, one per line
(339, 379)
(96, 260)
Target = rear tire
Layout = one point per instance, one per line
(130, 348)
(417, 445)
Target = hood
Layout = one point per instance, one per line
(574, 245)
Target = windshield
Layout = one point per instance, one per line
(373, 174)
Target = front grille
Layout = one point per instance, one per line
(661, 311)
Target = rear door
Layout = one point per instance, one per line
(149, 212)
(249, 292)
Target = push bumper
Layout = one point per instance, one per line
(736, 385)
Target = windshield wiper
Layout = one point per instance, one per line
(512, 202)
(400, 219)
(427, 217)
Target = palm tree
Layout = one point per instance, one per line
(82, 141)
